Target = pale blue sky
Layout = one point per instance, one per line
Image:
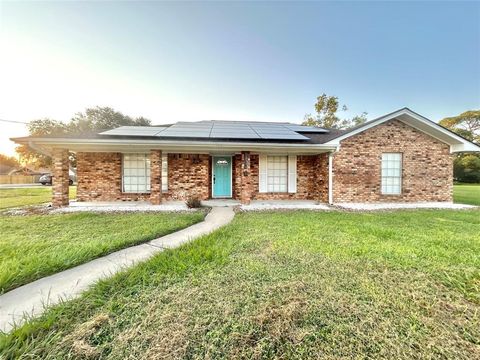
(243, 61)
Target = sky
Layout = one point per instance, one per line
(265, 61)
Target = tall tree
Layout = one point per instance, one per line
(92, 120)
(326, 108)
(467, 124)
(466, 167)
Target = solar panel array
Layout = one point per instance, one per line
(220, 130)
(135, 131)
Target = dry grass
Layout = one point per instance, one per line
(285, 286)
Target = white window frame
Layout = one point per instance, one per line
(135, 173)
(391, 173)
(272, 186)
(164, 173)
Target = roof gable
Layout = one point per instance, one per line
(411, 118)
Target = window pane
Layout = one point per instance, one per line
(391, 173)
(136, 173)
(277, 173)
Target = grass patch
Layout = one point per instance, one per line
(285, 285)
(466, 194)
(34, 246)
(10, 198)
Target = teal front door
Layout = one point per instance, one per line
(222, 176)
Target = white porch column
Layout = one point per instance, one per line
(330, 178)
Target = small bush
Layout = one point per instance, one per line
(193, 202)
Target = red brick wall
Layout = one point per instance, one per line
(427, 165)
(236, 176)
(188, 175)
(99, 177)
(312, 179)
(60, 178)
(156, 177)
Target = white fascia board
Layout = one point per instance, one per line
(457, 143)
(110, 145)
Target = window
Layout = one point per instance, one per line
(391, 173)
(136, 173)
(277, 173)
(164, 172)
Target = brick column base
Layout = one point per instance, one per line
(60, 178)
(245, 179)
(156, 177)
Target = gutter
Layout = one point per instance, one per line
(67, 142)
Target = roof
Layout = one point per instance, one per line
(210, 135)
(457, 143)
(221, 129)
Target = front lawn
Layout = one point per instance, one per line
(288, 285)
(466, 194)
(34, 246)
(10, 198)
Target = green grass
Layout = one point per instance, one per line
(34, 246)
(29, 196)
(289, 285)
(467, 194)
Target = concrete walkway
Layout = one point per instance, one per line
(31, 299)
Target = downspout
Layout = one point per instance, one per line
(330, 178)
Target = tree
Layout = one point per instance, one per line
(325, 116)
(467, 124)
(92, 120)
(40, 127)
(466, 167)
(8, 161)
(102, 118)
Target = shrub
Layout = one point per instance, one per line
(193, 202)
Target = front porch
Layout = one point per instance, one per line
(178, 206)
(159, 177)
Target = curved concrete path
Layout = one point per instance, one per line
(33, 298)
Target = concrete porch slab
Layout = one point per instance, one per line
(257, 205)
(112, 206)
(220, 202)
(393, 206)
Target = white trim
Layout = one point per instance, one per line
(262, 173)
(330, 178)
(205, 147)
(457, 143)
(231, 177)
(164, 184)
(292, 174)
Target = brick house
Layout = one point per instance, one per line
(399, 157)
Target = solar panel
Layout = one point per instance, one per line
(220, 129)
(302, 128)
(134, 131)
